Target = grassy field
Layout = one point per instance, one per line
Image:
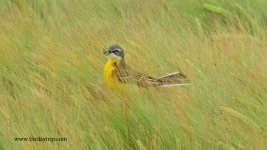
(51, 81)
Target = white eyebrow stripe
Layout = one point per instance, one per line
(118, 49)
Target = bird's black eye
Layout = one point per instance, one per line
(116, 51)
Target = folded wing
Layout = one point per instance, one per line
(127, 75)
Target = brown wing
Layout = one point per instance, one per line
(127, 75)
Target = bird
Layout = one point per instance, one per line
(117, 73)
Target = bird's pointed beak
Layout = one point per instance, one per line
(105, 51)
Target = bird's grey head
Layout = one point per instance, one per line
(115, 51)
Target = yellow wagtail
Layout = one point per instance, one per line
(117, 73)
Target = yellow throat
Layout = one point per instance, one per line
(110, 76)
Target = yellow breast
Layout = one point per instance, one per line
(110, 76)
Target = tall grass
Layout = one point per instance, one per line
(51, 82)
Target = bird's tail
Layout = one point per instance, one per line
(174, 79)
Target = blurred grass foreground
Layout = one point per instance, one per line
(51, 82)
